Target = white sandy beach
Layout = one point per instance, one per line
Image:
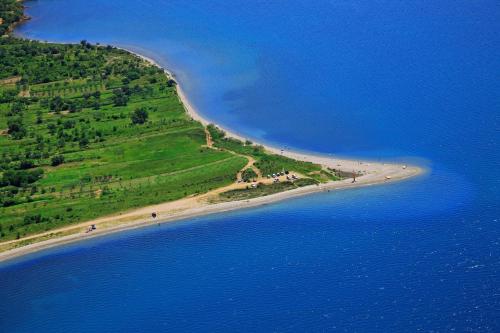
(372, 173)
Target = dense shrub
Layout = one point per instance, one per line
(20, 178)
(215, 132)
(57, 160)
(139, 116)
(248, 175)
(16, 128)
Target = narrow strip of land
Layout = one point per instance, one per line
(360, 173)
(197, 206)
(369, 173)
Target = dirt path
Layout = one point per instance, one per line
(210, 143)
(11, 80)
(251, 160)
(134, 214)
(250, 165)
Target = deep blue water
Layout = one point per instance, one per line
(416, 80)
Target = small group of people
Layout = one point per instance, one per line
(91, 228)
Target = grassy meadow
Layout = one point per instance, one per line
(70, 150)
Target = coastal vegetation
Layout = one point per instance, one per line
(263, 190)
(11, 11)
(269, 164)
(89, 130)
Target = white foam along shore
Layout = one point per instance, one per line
(370, 173)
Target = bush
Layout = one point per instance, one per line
(139, 116)
(120, 97)
(68, 124)
(26, 164)
(215, 132)
(248, 175)
(57, 104)
(16, 128)
(30, 219)
(19, 178)
(57, 160)
(17, 108)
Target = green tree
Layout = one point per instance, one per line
(39, 117)
(84, 142)
(120, 98)
(16, 128)
(57, 160)
(139, 116)
(17, 108)
(248, 175)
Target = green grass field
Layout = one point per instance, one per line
(108, 163)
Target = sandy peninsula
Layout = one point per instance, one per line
(370, 173)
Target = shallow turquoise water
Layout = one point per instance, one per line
(377, 79)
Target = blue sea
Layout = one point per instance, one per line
(414, 81)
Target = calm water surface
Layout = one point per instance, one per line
(375, 79)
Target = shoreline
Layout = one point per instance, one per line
(371, 173)
(140, 217)
(326, 160)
